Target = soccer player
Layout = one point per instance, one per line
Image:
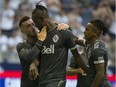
(96, 53)
(29, 50)
(53, 58)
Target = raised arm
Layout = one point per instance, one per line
(29, 54)
(72, 71)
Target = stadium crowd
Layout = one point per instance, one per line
(75, 13)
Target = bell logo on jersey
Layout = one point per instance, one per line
(55, 38)
(49, 50)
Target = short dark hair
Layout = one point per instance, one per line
(100, 26)
(23, 19)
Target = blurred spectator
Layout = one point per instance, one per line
(13, 4)
(112, 29)
(3, 47)
(7, 19)
(12, 42)
(75, 23)
(8, 47)
(103, 12)
(54, 7)
(67, 5)
(1, 10)
(62, 18)
(112, 4)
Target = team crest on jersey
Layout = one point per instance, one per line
(55, 38)
(96, 45)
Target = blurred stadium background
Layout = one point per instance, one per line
(76, 13)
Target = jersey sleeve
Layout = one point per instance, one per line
(98, 56)
(28, 54)
(69, 40)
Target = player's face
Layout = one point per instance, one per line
(89, 32)
(38, 21)
(28, 28)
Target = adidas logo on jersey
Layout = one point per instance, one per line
(49, 50)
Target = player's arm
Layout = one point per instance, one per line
(63, 26)
(78, 41)
(72, 71)
(73, 68)
(29, 54)
(98, 55)
(36, 62)
(33, 70)
(99, 75)
(79, 59)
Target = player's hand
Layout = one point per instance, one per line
(33, 72)
(63, 26)
(42, 34)
(76, 38)
(80, 71)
